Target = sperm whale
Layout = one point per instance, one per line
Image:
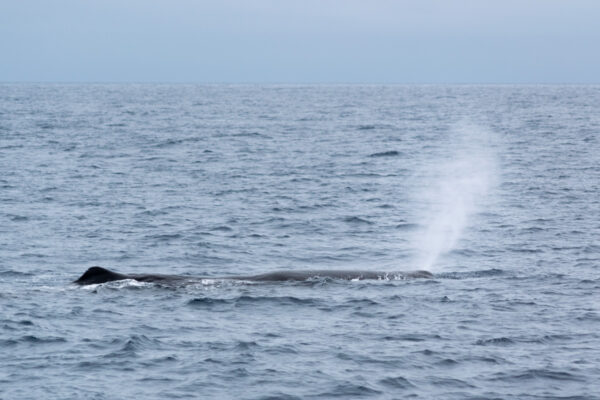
(96, 275)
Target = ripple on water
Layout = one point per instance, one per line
(246, 300)
(40, 340)
(12, 273)
(451, 383)
(391, 153)
(208, 302)
(279, 396)
(501, 341)
(397, 382)
(521, 376)
(348, 389)
(131, 346)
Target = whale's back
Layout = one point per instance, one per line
(95, 275)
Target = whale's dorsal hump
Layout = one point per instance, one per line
(98, 275)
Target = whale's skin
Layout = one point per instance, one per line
(303, 275)
(97, 275)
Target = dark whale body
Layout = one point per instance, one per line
(95, 275)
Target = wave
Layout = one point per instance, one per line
(407, 226)
(246, 300)
(391, 153)
(537, 373)
(13, 273)
(33, 340)
(502, 341)
(397, 382)
(350, 389)
(357, 220)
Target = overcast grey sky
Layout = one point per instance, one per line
(378, 41)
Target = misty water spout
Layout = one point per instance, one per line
(454, 188)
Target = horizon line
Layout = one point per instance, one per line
(308, 83)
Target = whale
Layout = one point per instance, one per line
(96, 275)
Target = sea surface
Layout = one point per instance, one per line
(494, 189)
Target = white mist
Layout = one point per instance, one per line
(451, 190)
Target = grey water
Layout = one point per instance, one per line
(494, 189)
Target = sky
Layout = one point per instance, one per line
(300, 41)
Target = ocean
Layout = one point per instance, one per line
(492, 188)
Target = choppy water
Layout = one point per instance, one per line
(495, 189)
